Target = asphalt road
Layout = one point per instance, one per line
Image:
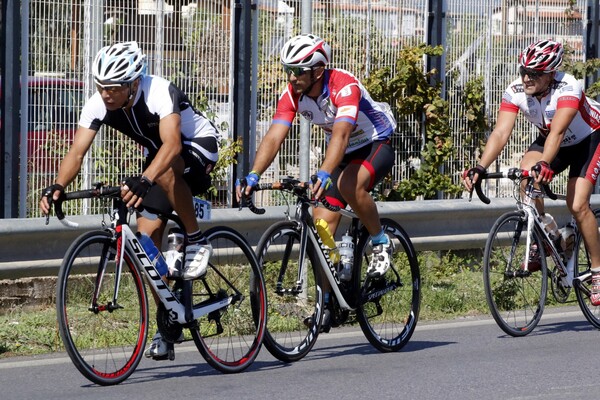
(469, 358)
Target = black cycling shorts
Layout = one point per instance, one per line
(196, 172)
(377, 157)
(582, 159)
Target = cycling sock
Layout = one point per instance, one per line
(380, 238)
(195, 237)
(595, 269)
(326, 298)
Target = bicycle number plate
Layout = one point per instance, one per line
(202, 209)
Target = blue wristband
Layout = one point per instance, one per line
(325, 179)
(252, 179)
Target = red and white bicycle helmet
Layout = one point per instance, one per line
(544, 56)
(305, 51)
(119, 63)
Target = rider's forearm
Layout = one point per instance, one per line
(492, 150)
(337, 146)
(162, 161)
(268, 149)
(69, 168)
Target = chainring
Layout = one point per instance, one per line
(169, 328)
(560, 293)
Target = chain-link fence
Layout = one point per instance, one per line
(190, 43)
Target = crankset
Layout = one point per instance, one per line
(168, 326)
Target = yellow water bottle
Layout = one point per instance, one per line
(327, 238)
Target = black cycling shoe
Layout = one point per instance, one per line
(325, 325)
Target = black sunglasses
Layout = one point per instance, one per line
(531, 73)
(297, 71)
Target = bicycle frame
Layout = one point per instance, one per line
(129, 245)
(308, 230)
(534, 223)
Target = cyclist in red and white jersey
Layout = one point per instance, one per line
(569, 137)
(359, 153)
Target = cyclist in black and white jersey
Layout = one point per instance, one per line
(181, 149)
(569, 137)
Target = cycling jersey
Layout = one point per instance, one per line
(155, 99)
(565, 91)
(343, 99)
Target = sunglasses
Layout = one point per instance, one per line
(297, 71)
(531, 73)
(110, 88)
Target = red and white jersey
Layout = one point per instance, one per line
(565, 91)
(343, 99)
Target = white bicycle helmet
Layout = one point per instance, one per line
(544, 55)
(119, 63)
(305, 51)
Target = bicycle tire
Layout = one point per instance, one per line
(582, 289)
(287, 337)
(230, 338)
(388, 307)
(515, 299)
(106, 345)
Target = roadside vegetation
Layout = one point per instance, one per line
(452, 287)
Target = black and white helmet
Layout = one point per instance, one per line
(119, 63)
(305, 51)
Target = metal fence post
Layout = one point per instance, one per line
(9, 107)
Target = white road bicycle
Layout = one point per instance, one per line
(515, 294)
(102, 304)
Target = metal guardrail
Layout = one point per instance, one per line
(30, 248)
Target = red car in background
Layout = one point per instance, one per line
(53, 113)
(53, 110)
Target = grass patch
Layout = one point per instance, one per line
(451, 287)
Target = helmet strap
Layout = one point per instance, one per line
(131, 94)
(313, 81)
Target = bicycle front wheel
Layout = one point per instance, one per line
(229, 338)
(515, 297)
(105, 339)
(294, 302)
(583, 287)
(388, 307)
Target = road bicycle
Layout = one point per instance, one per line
(102, 303)
(291, 254)
(515, 294)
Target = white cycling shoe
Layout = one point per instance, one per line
(380, 259)
(196, 260)
(159, 348)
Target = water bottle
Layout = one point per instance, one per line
(173, 254)
(327, 238)
(346, 257)
(155, 256)
(567, 241)
(550, 226)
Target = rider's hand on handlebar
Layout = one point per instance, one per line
(542, 172)
(135, 189)
(246, 185)
(470, 176)
(50, 194)
(321, 181)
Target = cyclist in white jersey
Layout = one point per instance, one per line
(569, 137)
(181, 148)
(358, 130)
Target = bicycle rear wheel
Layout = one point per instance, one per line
(104, 340)
(288, 338)
(583, 288)
(515, 297)
(230, 337)
(388, 307)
